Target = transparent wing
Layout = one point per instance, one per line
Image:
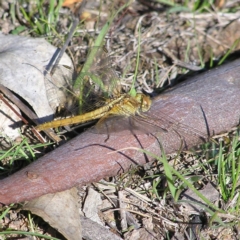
(97, 76)
(118, 125)
(59, 87)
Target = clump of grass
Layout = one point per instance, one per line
(21, 151)
(41, 18)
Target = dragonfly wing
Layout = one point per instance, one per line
(102, 67)
(97, 76)
(121, 125)
(143, 124)
(58, 87)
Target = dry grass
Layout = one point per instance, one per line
(166, 44)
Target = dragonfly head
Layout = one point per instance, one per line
(145, 101)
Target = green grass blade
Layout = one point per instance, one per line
(79, 83)
(27, 234)
(236, 42)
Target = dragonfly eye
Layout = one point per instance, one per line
(145, 102)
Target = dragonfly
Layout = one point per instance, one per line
(115, 110)
(117, 105)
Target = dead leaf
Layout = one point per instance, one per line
(209, 191)
(9, 122)
(68, 3)
(94, 231)
(22, 63)
(142, 234)
(60, 210)
(90, 209)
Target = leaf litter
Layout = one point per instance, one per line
(178, 33)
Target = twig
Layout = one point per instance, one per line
(52, 67)
(179, 62)
(14, 99)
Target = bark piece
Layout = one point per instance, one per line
(208, 102)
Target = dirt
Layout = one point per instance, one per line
(172, 44)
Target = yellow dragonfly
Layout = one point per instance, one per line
(116, 105)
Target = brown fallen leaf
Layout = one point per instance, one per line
(87, 13)
(209, 191)
(68, 3)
